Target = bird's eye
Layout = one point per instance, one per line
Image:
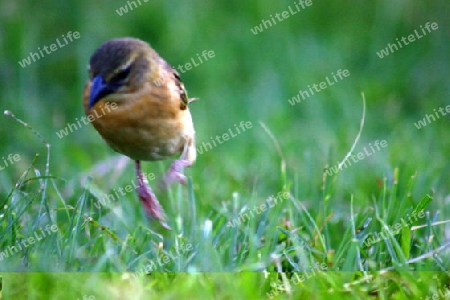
(120, 77)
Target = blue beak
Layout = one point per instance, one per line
(99, 90)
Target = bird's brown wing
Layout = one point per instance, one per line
(183, 94)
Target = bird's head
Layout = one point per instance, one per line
(118, 67)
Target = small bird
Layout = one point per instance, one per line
(138, 104)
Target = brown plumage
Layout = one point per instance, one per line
(140, 108)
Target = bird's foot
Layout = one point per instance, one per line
(151, 205)
(149, 201)
(175, 173)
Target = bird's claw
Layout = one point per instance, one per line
(175, 173)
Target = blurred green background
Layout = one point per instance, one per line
(251, 79)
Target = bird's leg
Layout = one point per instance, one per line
(148, 198)
(175, 173)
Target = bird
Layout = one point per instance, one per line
(139, 105)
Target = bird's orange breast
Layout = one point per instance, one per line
(144, 125)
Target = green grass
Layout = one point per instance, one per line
(317, 242)
(224, 286)
(287, 237)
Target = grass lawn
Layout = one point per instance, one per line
(333, 183)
